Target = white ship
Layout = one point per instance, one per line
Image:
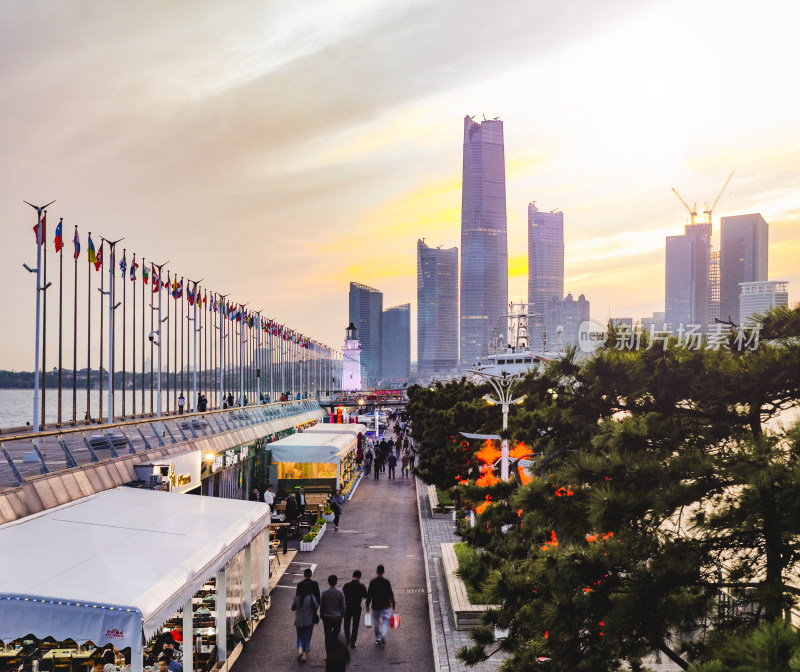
(512, 354)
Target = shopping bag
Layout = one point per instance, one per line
(394, 622)
(367, 620)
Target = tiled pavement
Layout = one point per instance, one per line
(447, 640)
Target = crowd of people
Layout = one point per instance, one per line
(335, 607)
(384, 455)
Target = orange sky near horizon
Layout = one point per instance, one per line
(284, 150)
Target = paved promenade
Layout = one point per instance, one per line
(380, 524)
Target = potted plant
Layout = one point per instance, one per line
(308, 542)
(328, 513)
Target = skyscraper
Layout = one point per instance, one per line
(568, 314)
(484, 244)
(687, 262)
(396, 366)
(742, 258)
(545, 270)
(366, 313)
(437, 309)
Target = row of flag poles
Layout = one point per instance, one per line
(206, 348)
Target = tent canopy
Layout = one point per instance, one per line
(313, 447)
(334, 428)
(107, 567)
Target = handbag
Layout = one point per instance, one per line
(394, 621)
(367, 620)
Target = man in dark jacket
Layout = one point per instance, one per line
(381, 597)
(308, 586)
(354, 592)
(392, 462)
(331, 610)
(291, 516)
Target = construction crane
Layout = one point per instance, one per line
(692, 210)
(708, 211)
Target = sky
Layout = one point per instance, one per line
(281, 150)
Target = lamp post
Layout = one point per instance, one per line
(502, 385)
(39, 289)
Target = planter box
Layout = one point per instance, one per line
(465, 614)
(328, 517)
(311, 545)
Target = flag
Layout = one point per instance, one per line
(59, 239)
(36, 228)
(145, 275)
(156, 279)
(92, 252)
(123, 266)
(76, 241)
(99, 259)
(134, 266)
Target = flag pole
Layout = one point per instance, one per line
(102, 293)
(195, 329)
(43, 235)
(183, 315)
(124, 325)
(37, 270)
(153, 335)
(60, 316)
(169, 287)
(75, 254)
(88, 417)
(112, 306)
(133, 336)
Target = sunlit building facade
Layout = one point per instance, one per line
(545, 271)
(396, 348)
(437, 309)
(743, 257)
(484, 243)
(687, 276)
(366, 313)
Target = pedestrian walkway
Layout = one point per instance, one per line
(380, 525)
(436, 531)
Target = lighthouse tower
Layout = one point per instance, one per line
(351, 367)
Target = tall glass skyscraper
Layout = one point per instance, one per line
(484, 243)
(545, 271)
(397, 344)
(687, 277)
(366, 314)
(437, 309)
(743, 257)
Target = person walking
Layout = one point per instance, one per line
(337, 505)
(305, 605)
(392, 462)
(378, 464)
(381, 597)
(308, 585)
(354, 592)
(338, 656)
(301, 502)
(405, 462)
(331, 610)
(291, 517)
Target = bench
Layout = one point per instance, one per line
(465, 614)
(433, 500)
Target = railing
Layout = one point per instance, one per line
(27, 455)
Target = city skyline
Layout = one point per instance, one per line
(206, 125)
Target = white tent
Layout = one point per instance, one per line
(337, 428)
(313, 447)
(116, 565)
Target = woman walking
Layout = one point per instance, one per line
(305, 607)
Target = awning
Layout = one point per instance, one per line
(313, 447)
(116, 564)
(337, 428)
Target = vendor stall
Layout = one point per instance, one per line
(115, 566)
(314, 459)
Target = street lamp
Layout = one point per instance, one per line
(502, 385)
